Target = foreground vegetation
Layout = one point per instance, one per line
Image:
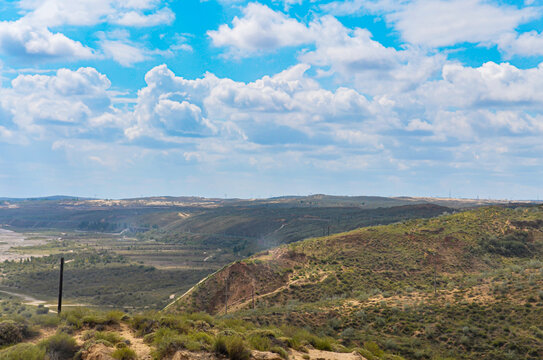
(29, 333)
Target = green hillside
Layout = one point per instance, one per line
(377, 284)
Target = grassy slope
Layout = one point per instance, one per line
(261, 227)
(377, 284)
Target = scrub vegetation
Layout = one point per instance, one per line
(466, 285)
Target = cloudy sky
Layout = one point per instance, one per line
(122, 98)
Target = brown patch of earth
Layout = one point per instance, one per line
(324, 355)
(143, 351)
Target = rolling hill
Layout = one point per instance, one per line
(466, 285)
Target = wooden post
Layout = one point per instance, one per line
(60, 285)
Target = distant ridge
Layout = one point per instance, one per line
(46, 198)
(321, 198)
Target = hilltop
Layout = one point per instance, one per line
(377, 283)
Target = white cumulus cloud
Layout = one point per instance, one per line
(260, 30)
(30, 37)
(438, 23)
(64, 102)
(20, 39)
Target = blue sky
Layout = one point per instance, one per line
(124, 98)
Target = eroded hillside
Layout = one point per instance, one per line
(459, 282)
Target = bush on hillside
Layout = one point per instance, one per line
(23, 352)
(60, 346)
(124, 354)
(280, 351)
(236, 349)
(12, 332)
(259, 342)
(144, 324)
(168, 341)
(232, 346)
(219, 346)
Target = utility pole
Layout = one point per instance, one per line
(435, 276)
(226, 296)
(60, 285)
(253, 296)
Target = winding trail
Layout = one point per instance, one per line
(143, 351)
(32, 301)
(29, 300)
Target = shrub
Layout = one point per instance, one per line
(168, 341)
(321, 343)
(91, 320)
(74, 317)
(201, 316)
(174, 322)
(42, 309)
(280, 351)
(236, 349)
(367, 354)
(23, 352)
(10, 333)
(46, 320)
(60, 346)
(233, 346)
(259, 342)
(144, 324)
(294, 343)
(219, 346)
(202, 338)
(108, 336)
(349, 334)
(114, 316)
(373, 348)
(124, 354)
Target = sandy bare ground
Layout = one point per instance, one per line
(325, 355)
(9, 239)
(143, 351)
